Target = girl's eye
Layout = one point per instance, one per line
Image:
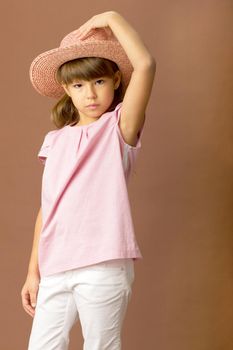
(77, 85)
(100, 80)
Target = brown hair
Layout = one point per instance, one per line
(86, 68)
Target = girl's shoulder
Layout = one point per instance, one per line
(53, 132)
(49, 136)
(47, 144)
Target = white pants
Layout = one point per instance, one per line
(97, 295)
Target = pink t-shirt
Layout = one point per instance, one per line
(86, 215)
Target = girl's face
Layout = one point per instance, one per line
(99, 91)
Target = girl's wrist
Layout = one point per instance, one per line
(33, 270)
(130, 40)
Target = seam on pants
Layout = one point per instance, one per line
(117, 339)
(64, 335)
(124, 305)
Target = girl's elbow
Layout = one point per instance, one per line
(152, 62)
(149, 63)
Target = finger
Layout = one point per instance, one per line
(25, 299)
(29, 310)
(85, 32)
(84, 26)
(26, 303)
(33, 296)
(31, 313)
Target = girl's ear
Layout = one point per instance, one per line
(117, 79)
(66, 89)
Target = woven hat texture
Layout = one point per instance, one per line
(100, 42)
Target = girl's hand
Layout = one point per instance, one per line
(29, 293)
(97, 21)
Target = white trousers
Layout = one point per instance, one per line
(96, 295)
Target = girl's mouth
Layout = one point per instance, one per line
(92, 106)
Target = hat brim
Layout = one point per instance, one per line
(44, 67)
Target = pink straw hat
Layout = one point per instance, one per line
(99, 42)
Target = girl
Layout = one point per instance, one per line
(84, 248)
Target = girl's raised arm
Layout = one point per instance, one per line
(139, 89)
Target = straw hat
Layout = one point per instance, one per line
(99, 42)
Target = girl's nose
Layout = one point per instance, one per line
(90, 91)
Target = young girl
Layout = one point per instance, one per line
(84, 248)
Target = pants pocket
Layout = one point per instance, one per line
(50, 279)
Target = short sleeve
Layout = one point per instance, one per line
(44, 150)
(129, 152)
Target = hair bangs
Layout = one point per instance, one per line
(86, 68)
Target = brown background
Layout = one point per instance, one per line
(182, 192)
